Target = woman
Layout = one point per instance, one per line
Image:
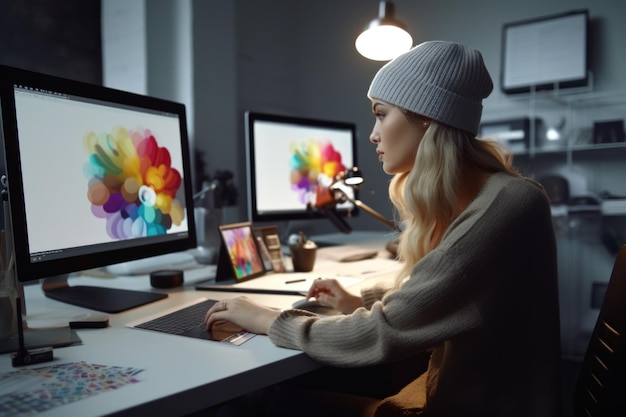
(478, 286)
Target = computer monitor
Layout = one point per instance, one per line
(96, 176)
(290, 159)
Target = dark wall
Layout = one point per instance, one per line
(61, 38)
(56, 37)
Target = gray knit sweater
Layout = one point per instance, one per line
(485, 301)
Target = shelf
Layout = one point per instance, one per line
(543, 151)
(575, 148)
(615, 207)
(573, 115)
(598, 146)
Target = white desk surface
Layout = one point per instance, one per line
(180, 375)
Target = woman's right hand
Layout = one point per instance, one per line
(331, 293)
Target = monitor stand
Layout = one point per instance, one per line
(107, 300)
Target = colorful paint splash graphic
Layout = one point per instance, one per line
(132, 183)
(243, 253)
(311, 163)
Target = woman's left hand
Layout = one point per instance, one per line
(243, 312)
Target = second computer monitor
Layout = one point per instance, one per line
(289, 159)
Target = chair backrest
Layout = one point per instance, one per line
(601, 385)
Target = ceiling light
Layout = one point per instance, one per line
(385, 37)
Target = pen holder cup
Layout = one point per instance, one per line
(303, 258)
(8, 313)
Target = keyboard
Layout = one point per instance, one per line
(179, 321)
(187, 321)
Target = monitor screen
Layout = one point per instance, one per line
(290, 159)
(545, 53)
(96, 176)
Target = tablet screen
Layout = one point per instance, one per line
(239, 243)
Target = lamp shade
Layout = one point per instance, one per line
(385, 37)
(354, 177)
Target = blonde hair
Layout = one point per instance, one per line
(426, 196)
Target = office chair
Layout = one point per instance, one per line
(601, 384)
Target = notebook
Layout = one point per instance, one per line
(186, 320)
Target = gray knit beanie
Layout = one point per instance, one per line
(444, 81)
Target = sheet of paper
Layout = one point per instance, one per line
(347, 273)
(294, 281)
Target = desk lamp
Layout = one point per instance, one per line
(328, 198)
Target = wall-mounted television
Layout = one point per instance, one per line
(546, 53)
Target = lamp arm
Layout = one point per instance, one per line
(206, 187)
(390, 223)
(358, 203)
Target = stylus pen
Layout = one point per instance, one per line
(293, 281)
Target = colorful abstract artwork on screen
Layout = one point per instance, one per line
(313, 164)
(243, 251)
(131, 183)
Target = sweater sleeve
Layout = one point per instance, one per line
(373, 294)
(405, 321)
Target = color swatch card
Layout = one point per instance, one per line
(27, 392)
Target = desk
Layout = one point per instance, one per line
(180, 375)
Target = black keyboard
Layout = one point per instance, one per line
(179, 321)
